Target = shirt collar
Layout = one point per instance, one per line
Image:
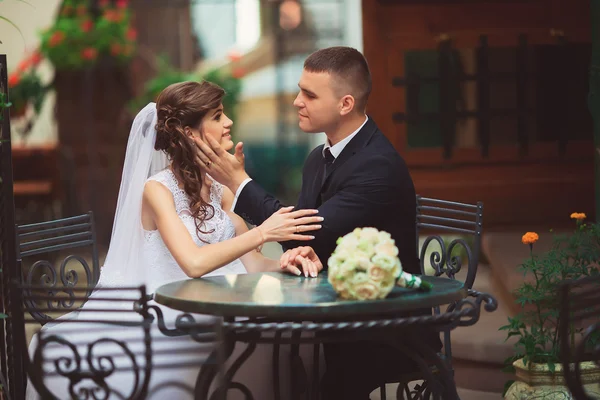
(337, 148)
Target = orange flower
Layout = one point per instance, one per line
(115, 49)
(238, 73)
(578, 216)
(89, 53)
(13, 80)
(113, 15)
(530, 238)
(56, 38)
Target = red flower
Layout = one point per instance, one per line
(23, 65)
(238, 72)
(89, 53)
(131, 34)
(14, 79)
(87, 25)
(36, 58)
(56, 38)
(121, 3)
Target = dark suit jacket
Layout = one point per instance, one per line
(368, 185)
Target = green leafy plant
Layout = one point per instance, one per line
(167, 75)
(536, 326)
(80, 38)
(26, 86)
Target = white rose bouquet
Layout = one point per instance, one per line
(365, 266)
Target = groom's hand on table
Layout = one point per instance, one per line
(301, 260)
(226, 168)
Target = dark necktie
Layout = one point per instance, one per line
(328, 159)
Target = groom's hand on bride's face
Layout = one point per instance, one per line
(224, 167)
(301, 260)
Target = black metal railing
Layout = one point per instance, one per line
(12, 343)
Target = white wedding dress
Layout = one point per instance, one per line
(256, 373)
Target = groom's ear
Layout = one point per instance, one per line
(347, 104)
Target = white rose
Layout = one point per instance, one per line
(384, 237)
(334, 261)
(376, 273)
(359, 278)
(385, 287)
(397, 270)
(384, 261)
(387, 248)
(348, 267)
(366, 247)
(348, 242)
(365, 291)
(370, 234)
(364, 262)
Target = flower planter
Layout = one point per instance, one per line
(538, 382)
(92, 132)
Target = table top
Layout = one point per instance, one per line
(281, 295)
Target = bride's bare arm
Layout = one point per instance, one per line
(195, 260)
(254, 260)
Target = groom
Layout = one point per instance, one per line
(356, 179)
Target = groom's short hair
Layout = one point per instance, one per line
(349, 69)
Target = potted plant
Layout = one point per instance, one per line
(82, 36)
(537, 358)
(26, 86)
(90, 45)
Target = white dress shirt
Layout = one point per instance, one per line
(335, 150)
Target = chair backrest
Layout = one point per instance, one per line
(42, 245)
(579, 302)
(441, 216)
(112, 348)
(85, 350)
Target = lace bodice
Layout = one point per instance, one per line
(162, 266)
(156, 257)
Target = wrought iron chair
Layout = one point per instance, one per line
(112, 348)
(579, 304)
(441, 216)
(41, 243)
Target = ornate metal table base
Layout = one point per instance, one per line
(439, 381)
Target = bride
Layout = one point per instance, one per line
(173, 222)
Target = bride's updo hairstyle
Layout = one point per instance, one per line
(178, 106)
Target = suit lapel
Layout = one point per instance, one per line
(358, 142)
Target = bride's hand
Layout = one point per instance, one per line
(301, 257)
(286, 224)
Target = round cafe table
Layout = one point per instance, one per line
(258, 303)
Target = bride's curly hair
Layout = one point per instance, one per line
(178, 106)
